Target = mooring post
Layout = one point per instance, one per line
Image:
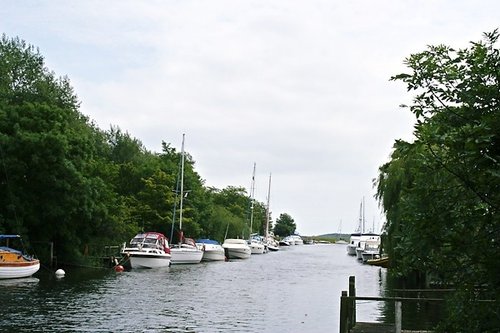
(398, 316)
(51, 254)
(344, 315)
(352, 305)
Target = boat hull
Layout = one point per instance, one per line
(14, 270)
(214, 255)
(234, 253)
(257, 248)
(186, 256)
(237, 249)
(146, 260)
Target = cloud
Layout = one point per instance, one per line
(299, 87)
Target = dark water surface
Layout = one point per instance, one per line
(294, 290)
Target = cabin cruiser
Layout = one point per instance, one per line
(212, 250)
(236, 248)
(148, 250)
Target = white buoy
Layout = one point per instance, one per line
(60, 273)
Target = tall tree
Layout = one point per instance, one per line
(285, 225)
(441, 193)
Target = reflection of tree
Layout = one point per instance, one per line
(416, 315)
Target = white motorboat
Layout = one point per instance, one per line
(13, 263)
(298, 240)
(364, 239)
(236, 248)
(186, 253)
(256, 247)
(294, 240)
(372, 249)
(353, 244)
(212, 250)
(148, 250)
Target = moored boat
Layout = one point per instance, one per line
(353, 244)
(372, 249)
(148, 250)
(212, 250)
(186, 252)
(381, 262)
(256, 247)
(236, 248)
(14, 263)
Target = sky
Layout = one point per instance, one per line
(300, 88)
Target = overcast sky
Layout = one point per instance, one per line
(301, 88)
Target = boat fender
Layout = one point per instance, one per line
(119, 268)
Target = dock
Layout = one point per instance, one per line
(349, 324)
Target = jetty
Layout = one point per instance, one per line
(349, 324)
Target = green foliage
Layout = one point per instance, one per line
(285, 225)
(441, 192)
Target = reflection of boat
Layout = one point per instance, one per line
(13, 263)
(148, 250)
(186, 252)
(212, 250)
(237, 248)
(382, 262)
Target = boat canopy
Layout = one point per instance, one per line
(9, 249)
(207, 241)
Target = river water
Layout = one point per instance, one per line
(296, 289)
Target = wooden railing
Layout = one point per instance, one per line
(348, 307)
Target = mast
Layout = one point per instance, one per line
(266, 231)
(252, 190)
(363, 214)
(182, 183)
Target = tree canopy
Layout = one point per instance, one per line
(441, 192)
(64, 180)
(285, 225)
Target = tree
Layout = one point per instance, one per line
(285, 225)
(49, 155)
(441, 192)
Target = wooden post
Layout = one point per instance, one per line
(352, 305)
(51, 254)
(344, 314)
(398, 316)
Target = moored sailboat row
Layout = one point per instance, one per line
(151, 250)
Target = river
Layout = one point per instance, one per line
(296, 289)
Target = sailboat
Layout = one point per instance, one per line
(186, 251)
(256, 245)
(271, 243)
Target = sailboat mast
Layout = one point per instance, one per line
(266, 232)
(182, 182)
(363, 214)
(252, 190)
